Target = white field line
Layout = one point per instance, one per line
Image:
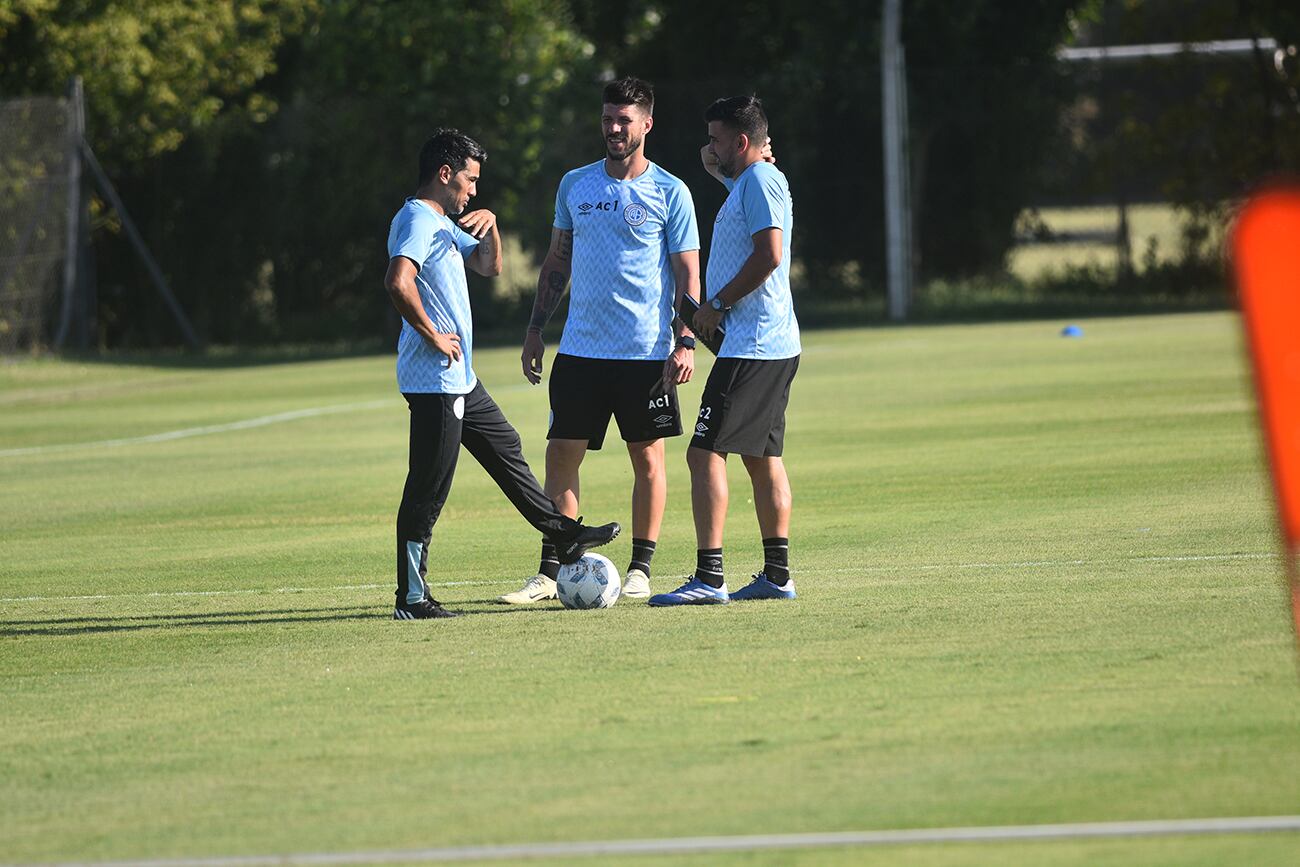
(245, 424)
(751, 843)
(927, 567)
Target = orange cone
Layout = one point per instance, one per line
(1266, 259)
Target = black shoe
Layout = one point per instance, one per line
(426, 609)
(570, 550)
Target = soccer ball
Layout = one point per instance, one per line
(592, 582)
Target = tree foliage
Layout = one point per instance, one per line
(155, 71)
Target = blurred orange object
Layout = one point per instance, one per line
(1266, 258)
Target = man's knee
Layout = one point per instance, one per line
(647, 459)
(565, 454)
(701, 460)
(763, 467)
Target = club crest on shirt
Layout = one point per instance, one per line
(635, 214)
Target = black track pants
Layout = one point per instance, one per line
(440, 424)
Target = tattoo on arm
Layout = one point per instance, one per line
(564, 249)
(550, 289)
(487, 248)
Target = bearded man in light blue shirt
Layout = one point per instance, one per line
(626, 238)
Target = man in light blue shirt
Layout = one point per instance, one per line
(743, 406)
(428, 254)
(625, 234)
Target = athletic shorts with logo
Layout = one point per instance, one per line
(743, 406)
(585, 392)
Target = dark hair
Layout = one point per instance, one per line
(743, 113)
(448, 147)
(631, 91)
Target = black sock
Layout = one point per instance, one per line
(550, 566)
(708, 566)
(642, 551)
(776, 560)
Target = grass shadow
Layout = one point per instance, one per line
(139, 622)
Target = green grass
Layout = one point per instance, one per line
(990, 629)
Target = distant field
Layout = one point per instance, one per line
(1161, 223)
(1037, 576)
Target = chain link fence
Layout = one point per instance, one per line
(35, 145)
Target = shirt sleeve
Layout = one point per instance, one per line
(410, 237)
(682, 230)
(564, 219)
(764, 201)
(465, 242)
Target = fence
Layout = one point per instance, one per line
(37, 171)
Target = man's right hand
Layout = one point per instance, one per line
(448, 344)
(710, 162)
(531, 357)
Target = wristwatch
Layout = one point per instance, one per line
(685, 342)
(717, 305)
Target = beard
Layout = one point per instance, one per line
(633, 145)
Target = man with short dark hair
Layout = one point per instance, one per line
(625, 233)
(743, 406)
(428, 254)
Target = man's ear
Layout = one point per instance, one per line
(445, 173)
(742, 143)
(649, 123)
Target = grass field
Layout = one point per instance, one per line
(1037, 584)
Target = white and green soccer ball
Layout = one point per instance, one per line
(592, 582)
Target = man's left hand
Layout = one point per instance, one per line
(478, 223)
(706, 321)
(679, 368)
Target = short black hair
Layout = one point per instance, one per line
(743, 113)
(631, 91)
(448, 147)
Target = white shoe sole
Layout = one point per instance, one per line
(516, 599)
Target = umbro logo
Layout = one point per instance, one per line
(584, 207)
(663, 420)
(588, 207)
(701, 428)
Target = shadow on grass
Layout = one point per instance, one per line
(139, 622)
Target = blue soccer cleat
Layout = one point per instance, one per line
(693, 592)
(761, 588)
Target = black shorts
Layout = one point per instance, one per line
(742, 409)
(585, 392)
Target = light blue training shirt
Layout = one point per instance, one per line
(622, 290)
(438, 247)
(761, 325)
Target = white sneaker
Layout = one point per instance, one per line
(539, 588)
(636, 584)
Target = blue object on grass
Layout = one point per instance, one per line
(1071, 331)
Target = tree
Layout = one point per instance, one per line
(155, 71)
(296, 248)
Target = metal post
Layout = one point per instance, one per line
(72, 211)
(893, 85)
